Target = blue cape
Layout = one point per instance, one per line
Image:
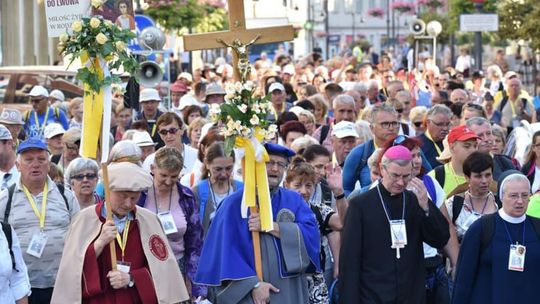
(227, 252)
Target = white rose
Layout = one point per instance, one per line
(229, 89)
(238, 87)
(97, 3)
(248, 85)
(94, 22)
(238, 126)
(101, 39)
(243, 108)
(120, 46)
(60, 47)
(255, 107)
(64, 37)
(246, 132)
(272, 129)
(108, 23)
(76, 26)
(254, 120)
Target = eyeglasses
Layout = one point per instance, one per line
(399, 111)
(516, 196)
(417, 124)
(441, 124)
(388, 124)
(170, 131)
(36, 99)
(80, 177)
(272, 163)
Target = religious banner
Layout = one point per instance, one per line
(101, 47)
(120, 12)
(60, 14)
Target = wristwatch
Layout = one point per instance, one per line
(131, 281)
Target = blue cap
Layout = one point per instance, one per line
(32, 143)
(278, 149)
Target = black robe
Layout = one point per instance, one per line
(369, 270)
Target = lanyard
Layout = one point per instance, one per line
(510, 237)
(439, 152)
(454, 175)
(122, 240)
(44, 120)
(485, 203)
(275, 112)
(154, 130)
(216, 204)
(155, 199)
(384, 205)
(40, 216)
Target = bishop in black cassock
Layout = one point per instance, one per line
(371, 271)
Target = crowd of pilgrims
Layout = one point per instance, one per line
(387, 186)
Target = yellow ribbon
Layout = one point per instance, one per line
(93, 110)
(40, 216)
(256, 180)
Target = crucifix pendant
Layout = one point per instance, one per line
(398, 255)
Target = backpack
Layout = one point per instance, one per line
(440, 175)
(11, 189)
(9, 237)
(56, 115)
(324, 133)
(204, 190)
(505, 100)
(364, 158)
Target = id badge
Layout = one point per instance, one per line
(123, 266)
(516, 259)
(37, 244)
(167, 222)
(398, 233)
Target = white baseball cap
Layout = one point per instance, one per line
(186, 101)
(344, 129)
(58, 95)
(148, 95)
(53, 129)
(143, 139)
(11, 117)
(288, 69)
(276, 86)
(4, 133)
(38, 91)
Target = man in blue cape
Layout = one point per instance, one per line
(288, 252)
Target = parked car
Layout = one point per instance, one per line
(17, 81)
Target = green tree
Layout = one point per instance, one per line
(520, 20)
(180, 15)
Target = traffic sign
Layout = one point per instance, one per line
(141, 22)
(478, 22)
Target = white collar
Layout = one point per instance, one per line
(511, 219)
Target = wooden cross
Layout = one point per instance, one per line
(237, 31)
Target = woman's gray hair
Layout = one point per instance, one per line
(363, 130)
(78, 165)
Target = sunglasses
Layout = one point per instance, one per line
(417, 124)
(36, 99)
(399, 140)
(399, 111)
(80, 177)
(169, 131)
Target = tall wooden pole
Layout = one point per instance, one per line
(112, 247)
